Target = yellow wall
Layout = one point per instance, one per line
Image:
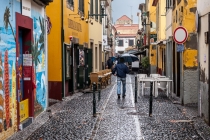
(162, 20)
(95, 34)
(80, 30)
(187, 20)
(54, 42)
(152, 13)
(153, 55)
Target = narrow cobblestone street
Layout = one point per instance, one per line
(117, 119)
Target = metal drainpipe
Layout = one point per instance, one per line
(198, 91)
(46, 59)
(182, 78)
(62, 53)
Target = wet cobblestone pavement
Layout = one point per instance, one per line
(117, 119)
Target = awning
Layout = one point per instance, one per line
(140, 52)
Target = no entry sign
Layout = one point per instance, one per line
(180, 35)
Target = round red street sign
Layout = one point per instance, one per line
(180, 35)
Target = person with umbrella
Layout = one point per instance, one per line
(120, 70)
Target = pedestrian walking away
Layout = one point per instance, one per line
(109, 63)
(120, 70)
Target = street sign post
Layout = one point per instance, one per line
(180, 35)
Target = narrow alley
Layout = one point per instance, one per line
(117, 119)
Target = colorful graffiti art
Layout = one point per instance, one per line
(38, 53)
(8, 102)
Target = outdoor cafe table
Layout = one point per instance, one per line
(146, 79)
(155, 81)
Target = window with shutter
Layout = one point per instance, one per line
(120, 43)
(81, 5)
(96, 8)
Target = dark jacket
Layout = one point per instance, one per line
(121, 70)
(109, 63)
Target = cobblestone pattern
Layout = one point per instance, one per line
(191, 112)
(117, 121)
(204, 91)
(73, 121)
(165, 110)
(190, 86)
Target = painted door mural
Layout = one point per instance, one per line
(8, 105)
(38, 54)
(20, 64)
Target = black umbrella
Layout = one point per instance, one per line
(129, 57)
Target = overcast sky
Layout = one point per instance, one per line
(125, 7)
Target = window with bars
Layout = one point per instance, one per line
(81, 5)
(96, 8)
(91, 7)
(130, 42)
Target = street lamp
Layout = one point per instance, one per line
(102, 10)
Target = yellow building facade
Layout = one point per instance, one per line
(95, 37)
(186, 65)
(67, 46)
(153, 37)
(158, 58)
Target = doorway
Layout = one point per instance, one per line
(24, 90)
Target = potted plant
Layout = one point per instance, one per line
(145, 64)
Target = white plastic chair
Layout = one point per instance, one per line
(163, 85)
(140, 76)
(154, 75)
(146, 85)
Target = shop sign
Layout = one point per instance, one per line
(153, 38)
(26, 8)
(23, 109)
(104, 42)
(74, 25)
